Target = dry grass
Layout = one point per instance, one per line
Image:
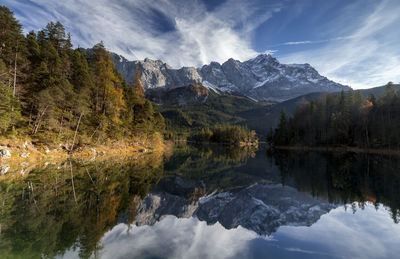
(41, 155)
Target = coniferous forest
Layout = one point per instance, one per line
(344, 119)
(51, 91)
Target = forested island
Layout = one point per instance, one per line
(227, 134)
(346, 119)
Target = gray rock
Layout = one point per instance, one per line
(4, 169)
(25, 155)
(4, 153)
(156, 74)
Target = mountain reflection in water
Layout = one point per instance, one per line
(205, 202)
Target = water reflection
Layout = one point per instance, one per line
(339, 234)
(70, 205)
(205, 201)
(347, 178)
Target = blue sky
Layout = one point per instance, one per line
(352, 42)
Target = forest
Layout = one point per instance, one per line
(55, 93)
(344, 119)
(225, 133)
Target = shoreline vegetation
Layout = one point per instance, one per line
(26, 156)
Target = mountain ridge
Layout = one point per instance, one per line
(262, 78)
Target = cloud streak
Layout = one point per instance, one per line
(136, 29)
(368, 57)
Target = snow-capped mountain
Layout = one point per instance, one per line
(262, 78)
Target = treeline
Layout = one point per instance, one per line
(226, 133)
(345, 119)
(49, 90)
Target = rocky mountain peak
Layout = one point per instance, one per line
(262, 78)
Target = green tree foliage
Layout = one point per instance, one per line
(9, 109)
(55, 86)
(345, 119)
(226, 133)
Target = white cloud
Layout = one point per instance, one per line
(176, 238)
(369, 233)
(130, 28)
(368, 57)
(366, 234)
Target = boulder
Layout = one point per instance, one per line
(25, 155)
(4, 153)
(4, 169)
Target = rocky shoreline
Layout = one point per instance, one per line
(19, 157)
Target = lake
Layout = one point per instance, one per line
(205, 202)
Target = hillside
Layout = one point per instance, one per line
(216, 108)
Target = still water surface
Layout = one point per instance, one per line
(206, 202)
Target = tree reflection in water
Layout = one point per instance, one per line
(55, 209)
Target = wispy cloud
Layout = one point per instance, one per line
(136, 29)
(297, 42)
(289, 43)
(368, 57)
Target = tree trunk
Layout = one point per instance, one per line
(39, 119)
(72, 181)
(15, 71)
(61, 124)
(76, 131)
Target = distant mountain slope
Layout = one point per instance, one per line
(262, 78)
(195, 107)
